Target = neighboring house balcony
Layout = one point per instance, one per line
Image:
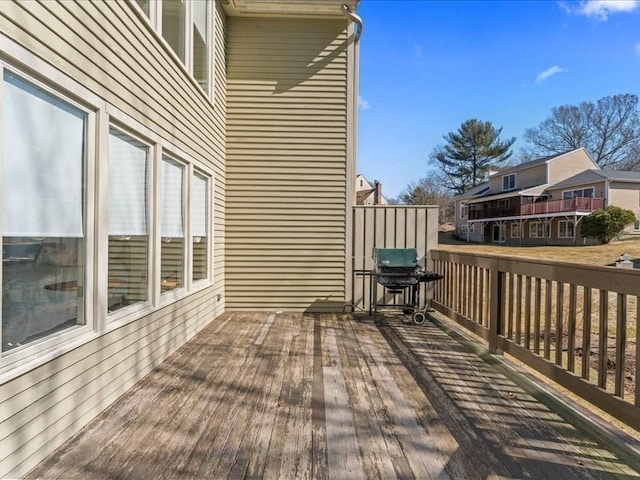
(550, 207)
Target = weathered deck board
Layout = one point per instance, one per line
(328, 397)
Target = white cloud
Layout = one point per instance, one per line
(363, 104)
(600, 9)
(542, 76)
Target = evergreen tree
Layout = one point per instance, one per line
(470, 152)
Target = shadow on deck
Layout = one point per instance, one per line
(329, 396)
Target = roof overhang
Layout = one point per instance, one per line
(297, 8)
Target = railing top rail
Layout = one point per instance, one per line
(607, 278)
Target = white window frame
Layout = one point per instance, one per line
(463, 229)
(566, 224)
(509, 180)
(464, 210)
(209, 233)
(533, 230)
(132, 128)
(155, 20)
(567, 194)
(57, 84)
(516, 230)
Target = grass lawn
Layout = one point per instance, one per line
(593, 255)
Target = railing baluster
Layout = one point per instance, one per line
(559, 316)
(586, 333)
(536, 316)
(518, 309)
(571, 328)
(603, 339)
(527, 313)
(482, 298)
(621, 343)
(635, 374)
(547, 319)
(510, 313)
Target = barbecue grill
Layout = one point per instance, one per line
(398, 270)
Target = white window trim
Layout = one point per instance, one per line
(464, 210)
(505, 177)
(154, 21)
(593, 192)
(100, 116)
(57, 84)
(567, 222)
(531, 230)
(519, 227)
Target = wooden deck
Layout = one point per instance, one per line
(324, 396)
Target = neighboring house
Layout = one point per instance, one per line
(368, 194)
(162, 162)
(543, 201)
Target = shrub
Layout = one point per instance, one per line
(607, 224)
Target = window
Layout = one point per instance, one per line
(43, 188)
(516, 230)
(565, 229)
(636, 226)
(200, 47)
(128, 221)
(172, 225)
(187, 26)
(509, 182)
(583, 192)
(538, 230)
(174, 25)
(464, 210)
(463, 229)
(200, 226)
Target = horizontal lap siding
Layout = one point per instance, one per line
(286, 164)
(108, 49)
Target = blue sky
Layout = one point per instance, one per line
(427, 66)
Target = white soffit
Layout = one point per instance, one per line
(324, 8)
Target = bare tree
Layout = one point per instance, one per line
(609, 129)
(429, 191)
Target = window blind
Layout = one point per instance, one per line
(127, 185)
(199, 206)
(42, 163)
(172, 199)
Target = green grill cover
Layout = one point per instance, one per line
(395, 257)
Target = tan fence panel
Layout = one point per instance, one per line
(388, 226)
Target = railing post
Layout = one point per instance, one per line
(496, 295)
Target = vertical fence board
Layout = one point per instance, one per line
(603, 355)
(586, 334)
(571, 328)
(536, 316)
(559, 320)
(621, 342)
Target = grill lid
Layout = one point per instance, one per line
(395, 257)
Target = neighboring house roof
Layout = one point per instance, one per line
(473, 191)
(362, 195)
(591, 176)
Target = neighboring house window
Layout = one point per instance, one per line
(463, 229)
(200, 225)
(43, 213)
(565, 229)
(537, 230)
(128, 280)
(509, 182)
(581, 192)
(516, 230)
(361, 183)
(464, 210)
(172, 225)
(636, 226)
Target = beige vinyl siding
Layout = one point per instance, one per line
(569, 164)
(599, 190)
(528, 177)
(286, 164)
(110, 49)
(625, 195)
